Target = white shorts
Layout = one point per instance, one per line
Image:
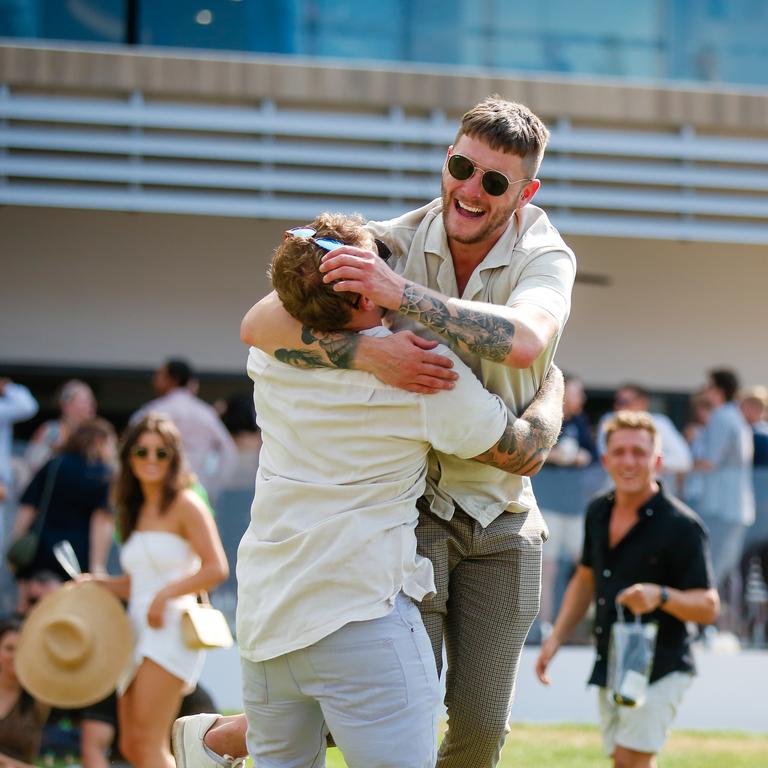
(644, 728)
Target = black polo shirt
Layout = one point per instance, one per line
(668, 546)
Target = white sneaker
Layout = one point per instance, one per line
(187, 742)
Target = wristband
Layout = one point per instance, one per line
(664, 596)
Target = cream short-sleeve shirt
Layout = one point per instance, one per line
(530, 264)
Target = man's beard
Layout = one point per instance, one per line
(492, 222)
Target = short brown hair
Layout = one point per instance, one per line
(298, 281)
(632, 420)
(508, 126)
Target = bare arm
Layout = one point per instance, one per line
(698, 605)
(525, 444)
(578, 596)
(514, 336)
(101, 530)
(25, 516)
(9, 762)
(199, 528)
(401, 360)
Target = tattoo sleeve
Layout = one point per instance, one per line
(487, 335)
(323, 349)
(527, 440)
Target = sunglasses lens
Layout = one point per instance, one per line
(326, 243)
(495, 183)
(301, 232)
(460, 167)
(161, 454)
(140, 453)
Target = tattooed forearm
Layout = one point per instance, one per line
(483, 333)
(526, 442)
(332, 350)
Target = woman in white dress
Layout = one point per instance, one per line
(171, 551)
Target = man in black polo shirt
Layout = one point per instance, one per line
(650, 553)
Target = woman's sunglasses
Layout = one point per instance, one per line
(308, 233)
(495, 183)
(161, 454)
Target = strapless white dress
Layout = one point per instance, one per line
(154, 559)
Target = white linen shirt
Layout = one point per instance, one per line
(331, 538)
(530, 264)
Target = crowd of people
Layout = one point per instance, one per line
(394, 516)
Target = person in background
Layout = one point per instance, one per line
(171, 551)
(727, 503)
(21, 717)
(754, 407)
(701, 411)
(77, 405)
(239, 417)
(649, 552)
(675, 452)
(211, 452)
(72, 491)
(562, 499)
(16, 404)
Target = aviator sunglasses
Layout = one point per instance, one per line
(161, 454)
(495, 183)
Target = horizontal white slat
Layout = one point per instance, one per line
(306, 208)
(330, 184)
(351, 156)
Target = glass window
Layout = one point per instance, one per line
(87, 20)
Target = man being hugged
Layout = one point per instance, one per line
(328, 574)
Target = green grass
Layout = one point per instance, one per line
(576, 746)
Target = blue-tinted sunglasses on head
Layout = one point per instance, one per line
(308, 233)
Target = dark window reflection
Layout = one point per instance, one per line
(86, 20)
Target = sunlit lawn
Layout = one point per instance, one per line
(572, 746)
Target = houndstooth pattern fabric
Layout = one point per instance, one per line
(488, 588)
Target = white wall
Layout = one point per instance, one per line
(125, 289)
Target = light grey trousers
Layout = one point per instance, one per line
(488, 588)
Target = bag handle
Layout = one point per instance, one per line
(622, 616)
(42, 510)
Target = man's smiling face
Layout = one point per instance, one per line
(470, 214)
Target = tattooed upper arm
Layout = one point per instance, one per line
(484, 333)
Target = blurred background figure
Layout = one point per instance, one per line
(77, 404)
(16, 404)
(21, 717)
(727, 504)
(754, 407)
(238, 415)
(676, 455)
(71, 491)
(561, 493)
(701, 410)
(170, 552)
(211, 452)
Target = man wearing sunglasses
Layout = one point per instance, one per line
(328, 574)
(484, 270)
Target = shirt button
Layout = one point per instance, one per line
(601, 601)
(607, 573)
(599, 657)
(598, 630)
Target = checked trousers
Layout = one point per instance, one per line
(488, 587)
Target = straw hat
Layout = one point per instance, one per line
(74, 645)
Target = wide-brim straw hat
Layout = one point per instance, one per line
(74, 645)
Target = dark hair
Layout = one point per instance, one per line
(240, 415)
(127, 494)
(179, 370)
(13, 624)
(638, 389)
(726, 381)
(508, 126)
(299, 283)
(86, 440)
